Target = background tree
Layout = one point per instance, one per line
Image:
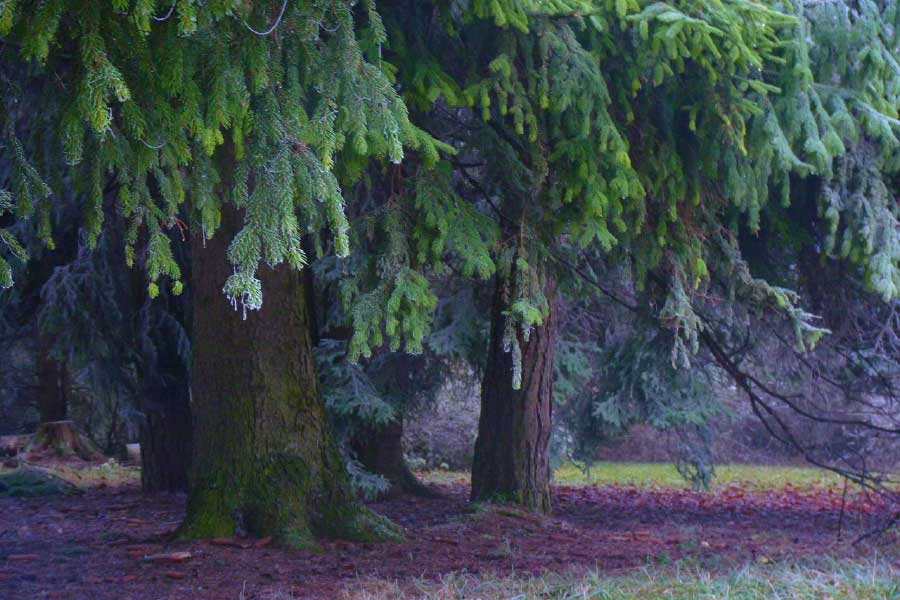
(556, 173)
(796, 221)
(381, 353)
(703, 113)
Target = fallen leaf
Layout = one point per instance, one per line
(224, 542)
(22, 557)
(239, 543)
(175, 557)
(444, 541)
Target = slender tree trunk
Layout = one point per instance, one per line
(167, 425)
(52, 387)
(161, 327)
(166, 440)
(265, 459)
(511, 462)
(380, 450)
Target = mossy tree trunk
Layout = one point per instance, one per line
(380, 450)
(511, 461)
(265, 459)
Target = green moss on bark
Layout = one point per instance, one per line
(265, 459)
(209, 513)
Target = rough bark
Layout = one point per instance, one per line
(52, 387)
(166, 442)
(511, 461)
(165, 434)
(380, 450)
(264, 459)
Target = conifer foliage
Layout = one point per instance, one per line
(535, 142)
(244, 110)
(148, 91)
(659, 133)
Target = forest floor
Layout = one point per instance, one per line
(643, 538)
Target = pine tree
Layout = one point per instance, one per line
(167, 102)
(656, 133)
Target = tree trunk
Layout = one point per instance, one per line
(380, 450)
(511, 462)
(161, 330)
(166, 441)
(52, 387)
(265, 460)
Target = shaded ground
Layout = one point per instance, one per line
(94, 546)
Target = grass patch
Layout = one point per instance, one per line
(111, 473)
(665, 475)
(445, 477)
(822, 580)
(760, 477)
(85, 475)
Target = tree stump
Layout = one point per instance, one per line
(63, 439)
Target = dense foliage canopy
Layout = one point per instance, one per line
(685, 171)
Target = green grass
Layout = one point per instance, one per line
(806, 581)
(760, 477)
(755, 477)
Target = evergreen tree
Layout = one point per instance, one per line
(101, 352)
(244, 110)
(656, 133)
(381, 354)
(557, 175)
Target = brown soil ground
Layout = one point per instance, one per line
(95, 546)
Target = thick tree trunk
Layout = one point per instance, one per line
(265, 459)
(166, 441)
(380, 450)
(511, 462)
